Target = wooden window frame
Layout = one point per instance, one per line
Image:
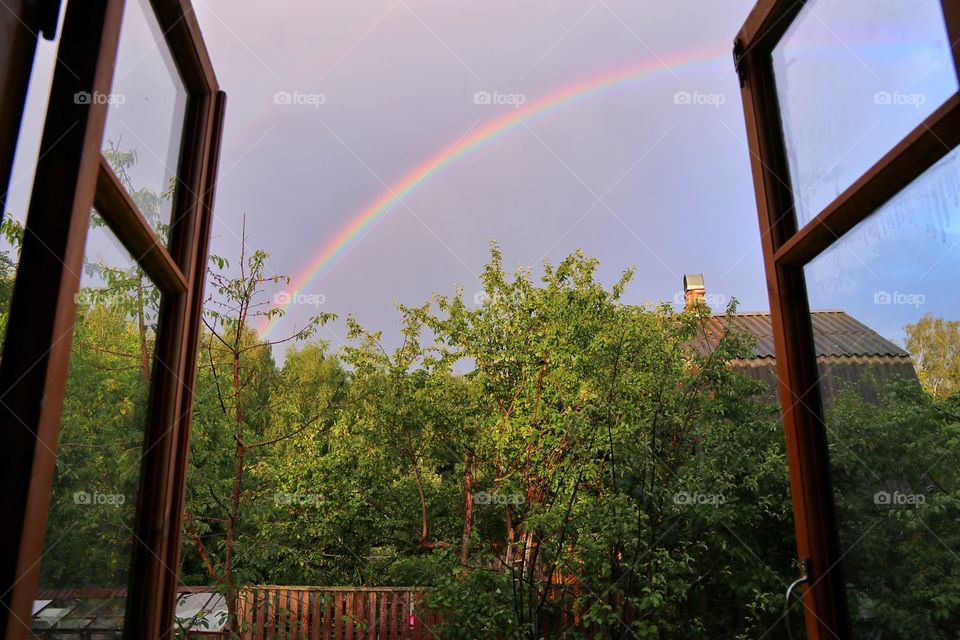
(36, 351)
(786, 250)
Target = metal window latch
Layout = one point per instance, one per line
(803, 579)
(45, 14)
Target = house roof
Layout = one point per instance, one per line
(835, 334)
(848, 352)
(98, 612)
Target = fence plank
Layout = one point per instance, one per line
(314, 624)
(394, 608)
(338, 615)
(417, 617)
(303, 604)
(371, 616)
(241, 613)
(272, 598)
(283, 614)
(257, 616)
(382, 622)
(356, 618)
(371, 632)
(323, 613)
(328, 614)
(362, 616)
(293, 617)
(351, 615)
(405, 631)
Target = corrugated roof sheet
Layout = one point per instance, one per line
(835, 333)
(866, 374)
(93, 612)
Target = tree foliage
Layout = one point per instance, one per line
(544, 458)
(934, 344)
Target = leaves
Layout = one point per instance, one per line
(537, 454)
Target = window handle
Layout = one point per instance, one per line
(45, 16)
(804, 578)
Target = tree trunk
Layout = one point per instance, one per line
(467, 508)
(424, 524)
(235, 497)
(142, 327)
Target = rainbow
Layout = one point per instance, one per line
(361, 223)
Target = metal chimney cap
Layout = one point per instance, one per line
(693, 281)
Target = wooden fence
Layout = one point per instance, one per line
(319, 613)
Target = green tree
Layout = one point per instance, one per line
(235, 423)
(581, 425)
(895, 468)
(934, 344)
(89, 532)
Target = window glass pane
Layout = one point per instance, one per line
(145, 118)
(887, 330)
(17, 199)
(88, 543)
(853, 78)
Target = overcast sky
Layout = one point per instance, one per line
(331, 105)
(397, 80)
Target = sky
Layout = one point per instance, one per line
(375, 149)
(331, 105)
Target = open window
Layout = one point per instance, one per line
(853, 119)
(117, 224)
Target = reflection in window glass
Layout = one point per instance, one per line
(889, 355)
(145, 118)
(17, 198)
(89, 535)
(853, 78)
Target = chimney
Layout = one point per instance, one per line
(693, 289)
